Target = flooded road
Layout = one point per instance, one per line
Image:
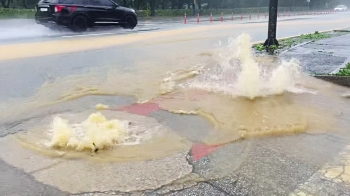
(128, 113)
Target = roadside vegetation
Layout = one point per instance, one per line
(173, 8)
(344, 71)
(285, 44)
(16, 13)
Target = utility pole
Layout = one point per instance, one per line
(271, 37)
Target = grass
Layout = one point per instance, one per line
(270, 50)
(314, 36)
(290, 42)
(344, 71)
(16, 13)
(260, 47)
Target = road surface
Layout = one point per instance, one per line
(44, 74)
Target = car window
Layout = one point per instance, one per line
(67, 1)
(101, 2)
(82, 2)
(95, 2)
(48, 1)
(107, 3)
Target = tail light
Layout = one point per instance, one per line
(71, 9)
(59, 8)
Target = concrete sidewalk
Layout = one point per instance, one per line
(324, 56)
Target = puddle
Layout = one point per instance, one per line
(107, 136)
(243, 96)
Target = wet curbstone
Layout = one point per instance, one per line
(340, 80)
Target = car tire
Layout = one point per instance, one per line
(79, 24)
(130, 22)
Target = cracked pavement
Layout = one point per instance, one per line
(303, 164)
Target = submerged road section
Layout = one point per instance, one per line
(182, 110)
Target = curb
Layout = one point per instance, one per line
(341, 66)
(294, 36)
(298, 45)
(339, 80)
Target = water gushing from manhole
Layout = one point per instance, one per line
(247, 97)
(109, 136)
(239, 74)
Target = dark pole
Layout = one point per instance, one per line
(194, 7)
(271, 37)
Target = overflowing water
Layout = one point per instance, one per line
(246, 96)
(107, 136)
(94, 133)
(242, 95)
(239, 74)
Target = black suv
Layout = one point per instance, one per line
(78, 15)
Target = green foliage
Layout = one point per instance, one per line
(172, 13)
(314, 36)
(143, 13)
(272, 49)
(16, 13)
(289, 42)
(344, 71)
(260, 47)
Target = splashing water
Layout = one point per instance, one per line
(250, 110)
(94, 133)
(239, 73)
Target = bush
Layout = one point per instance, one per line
(172, 13)
(16, 13)
(143, 13)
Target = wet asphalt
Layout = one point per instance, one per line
(26, 30)
(260, 167)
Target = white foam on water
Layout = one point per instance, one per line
(96, 132)
(239, 74)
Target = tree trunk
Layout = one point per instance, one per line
(179, 5)
(164, 3)
(25, 4)
(210, 4)
(138, 4)
(173, 4)
(5, 3)
(152, 4)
